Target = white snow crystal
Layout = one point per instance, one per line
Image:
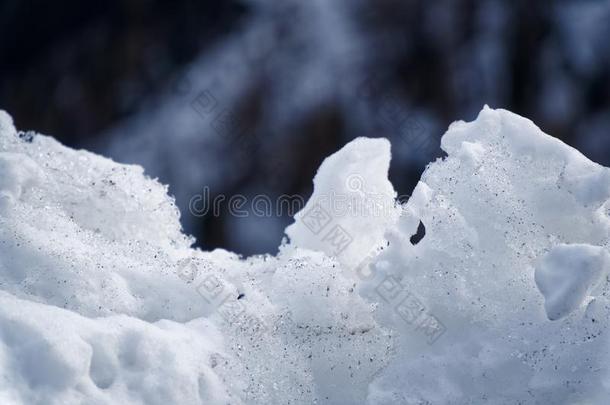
(503, 300)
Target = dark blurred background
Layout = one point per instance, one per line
(248, 97)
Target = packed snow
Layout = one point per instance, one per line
(568, 275)
(503, 300)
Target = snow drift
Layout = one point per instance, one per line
(504, 300)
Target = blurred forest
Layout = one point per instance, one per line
(248, 97)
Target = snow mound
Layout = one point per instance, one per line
(503, 300)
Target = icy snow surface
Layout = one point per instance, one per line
(504, 300)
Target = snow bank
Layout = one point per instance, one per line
(503, 300)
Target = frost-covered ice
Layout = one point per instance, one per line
(504, 300)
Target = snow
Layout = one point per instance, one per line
(352, 205)
(568, 274)
(503, 300)
(53, 356)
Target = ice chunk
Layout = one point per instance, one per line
(352, 205)
(567, 274)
